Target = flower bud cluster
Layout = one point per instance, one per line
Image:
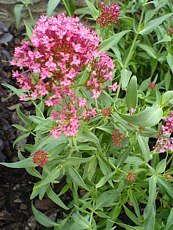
(50, 64)
(117, 138)
(40, 158)
(165, 141)
(109, 14)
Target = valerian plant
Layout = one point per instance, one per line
(103, 115)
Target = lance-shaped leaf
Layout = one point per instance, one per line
(150, 210)
(42, 219)
(131, 94)
(153, 24)
(77, 178)
(143, 143)
(149, 117)
(52, 4)
(70, 7)
(125, 77)
(108, 43)
(150, 51)
(169, 59)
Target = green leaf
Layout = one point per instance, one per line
(150, 51)
(70, 7)
(104, 167)
(77, 160)
(150, 210)
(20, 127)
(134, 160)
(107, 129)
(166, 186)
(23, 117)
(144, 85)
(160, 168)
(104, 179)
(153, 24)
(28, 29)
(82, 221)
(166, 97)
(55, 198)
(108, 43)
(149, 117)
(90, 169)
(36, 119)
(16, 91)
(51, 177)
(25, 163)
(49, 143)
(134, 202)
(86, 136)
(51, 5)
(77, 178)
(128, 227)
(131, 216)
(167, 80)
(93, 11)
(165, 39)
(125, 77)
(131, 94)
(108, 198)
(123, 156)
(143, 143)
(42, 219)
(169, 59)
(86, 148)
(17, 12)
(169, 224)
(22, 137)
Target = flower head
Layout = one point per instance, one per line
(60, 49)
(109, 14)
(117, 137)
(131, 176)
(165, 141)
(40, 158)
(106, 112)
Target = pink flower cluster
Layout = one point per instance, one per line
(165, 141)
(109, 14)
(60, 49)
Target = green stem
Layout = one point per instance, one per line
(130, 54)
(30, 14)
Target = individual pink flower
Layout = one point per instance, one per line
(82, 102)
(95, 93)
(132, 111)
(114, 87)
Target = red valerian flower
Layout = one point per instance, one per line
(106, 112)
(131, 176)
(40, 158)
(117, 137)
(60, 49)
(109, 14)
(165, 141)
